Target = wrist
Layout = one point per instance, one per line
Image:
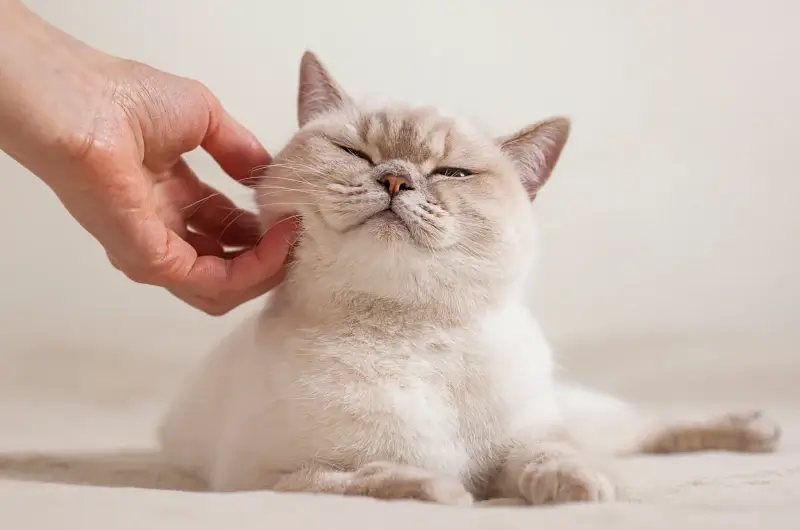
(48, 80)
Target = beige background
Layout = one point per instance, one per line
(672, 214)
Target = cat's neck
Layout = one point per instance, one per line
(315, 299)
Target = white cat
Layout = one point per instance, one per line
(397, 360)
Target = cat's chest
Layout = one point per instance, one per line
(402, 404)
(441, 400)
(410, 385)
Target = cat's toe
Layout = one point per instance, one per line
(387, 480)
(563, 481)
(753, 431)
(445, 491)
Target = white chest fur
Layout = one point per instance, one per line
(273, 398)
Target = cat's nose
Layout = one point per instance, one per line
(394, 184)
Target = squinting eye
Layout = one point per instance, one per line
(355, 152)
(455, 172)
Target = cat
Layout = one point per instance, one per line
(397, 359)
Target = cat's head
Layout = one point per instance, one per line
(405, 203)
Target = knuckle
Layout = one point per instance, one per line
(132, 271)
(214, 308)
(164, 265)
(139, 274)
(160, 272)
(114, 262)
(217, 311)
(203, 91)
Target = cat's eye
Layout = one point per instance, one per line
(455, 172)
(356, 152)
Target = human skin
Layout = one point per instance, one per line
(107, 136)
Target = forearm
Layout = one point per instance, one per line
(46, 77)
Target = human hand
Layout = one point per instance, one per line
(108, 135)
(159, 223)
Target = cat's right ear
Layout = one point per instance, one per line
(319, 93)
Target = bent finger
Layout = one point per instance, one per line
(215, 215)
(204, 245)
(221, 306)
(212, 276)
(221, 218)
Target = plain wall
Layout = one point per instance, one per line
(672, 213)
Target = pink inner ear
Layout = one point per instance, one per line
(318, 91)
(535, 151)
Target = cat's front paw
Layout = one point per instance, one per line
(385, 480)
(563, 480)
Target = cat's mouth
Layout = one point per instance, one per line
(389, 219)
(423, 225)
(388, 225)
(389, 215)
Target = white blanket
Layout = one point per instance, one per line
(76, 430)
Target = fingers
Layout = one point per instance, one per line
(217, 282)
(249, 268)
(219, 217)
(200, 272)
(204, 245)
(235, 148)
(213, 214)
(216, 285)
(217, 307)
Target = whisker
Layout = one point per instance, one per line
(236, 218)
(289, 179)
(279, 189)
(199, 203)
(273, 225)
(292, 204)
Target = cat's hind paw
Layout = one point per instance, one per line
(742, 432)
(751, 432)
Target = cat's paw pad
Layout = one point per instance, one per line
(384, 480)
(752, 431)
(565, 480)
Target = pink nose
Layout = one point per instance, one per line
(394, 184)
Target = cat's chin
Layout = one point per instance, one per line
(388, 227)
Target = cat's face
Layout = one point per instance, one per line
(404, 202)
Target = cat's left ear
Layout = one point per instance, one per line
(535, 151)
(319, 93)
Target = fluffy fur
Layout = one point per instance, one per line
(397, 360)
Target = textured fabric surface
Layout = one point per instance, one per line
(76, 431)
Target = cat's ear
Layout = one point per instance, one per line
(535, 151)
(319, 93)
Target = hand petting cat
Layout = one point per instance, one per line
(107, 135)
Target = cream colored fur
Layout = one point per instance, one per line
(397, 360)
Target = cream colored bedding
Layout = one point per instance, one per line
(75, 431)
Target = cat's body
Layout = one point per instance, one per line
(397, 360)
(442, 400)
